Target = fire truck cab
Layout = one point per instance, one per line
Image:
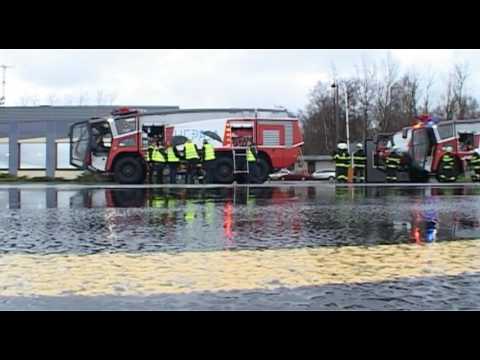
(422, 147)
(117, 144)
(426, 147)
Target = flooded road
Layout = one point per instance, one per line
(288, 247)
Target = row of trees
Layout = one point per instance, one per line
(382, 100)
(100, 98)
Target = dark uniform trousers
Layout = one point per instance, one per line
(208, 166)
(342, 163)
(393, 164)
(359, 162)
(157, 168)
(191, 171)
(475, 165)
(172, 167)
(446, 171)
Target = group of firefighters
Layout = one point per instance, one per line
(343, 162)
(447, 171)
(199, 163)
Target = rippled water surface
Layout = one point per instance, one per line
(321, 247)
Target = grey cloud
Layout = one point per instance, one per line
(192, 77)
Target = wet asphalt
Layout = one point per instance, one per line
(286, 247)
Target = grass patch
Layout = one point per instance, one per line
(85, 178)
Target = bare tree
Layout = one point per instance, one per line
(35, 100)
(100, 97)
(52, 100)
(68, 100)
(367, 86)
(25, 101)
(110, 98)
(429, 81)
(460, 76)
(384, 92)
(82, 99)
(411, 88)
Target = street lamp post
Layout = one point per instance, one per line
(335, 109)
(4, 72)
(347, 121)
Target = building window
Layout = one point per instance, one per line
(63, 157)
(33, 156)
(4, 154)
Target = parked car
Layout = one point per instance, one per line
(324, 175)
(287, 175)
(279, 174)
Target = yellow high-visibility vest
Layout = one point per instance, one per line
(190, 151)
(157, 156)
(250, 156)
(209, 152)
(171, 157)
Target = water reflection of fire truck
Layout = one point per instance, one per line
(422, 146)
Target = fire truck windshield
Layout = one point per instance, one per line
(126, 125)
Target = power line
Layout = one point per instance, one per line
(4, 82)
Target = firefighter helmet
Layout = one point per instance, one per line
(448, 148)
(477, 151)
(342, 146)
(359, 146)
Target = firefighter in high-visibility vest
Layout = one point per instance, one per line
(192, 158)
(392, 163)
(156, 159)
(447, 166)
(359, 162)
(475, 165)
(342, 162)
(173, 161)
(208, 161)
(252, 162)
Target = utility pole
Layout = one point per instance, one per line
(4, 83)
(347, 121)
(335, 110)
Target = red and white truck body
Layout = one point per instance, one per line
(422, 145)
(102, 144)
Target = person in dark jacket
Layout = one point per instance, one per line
(392, 163)
(192, 157)
(173, 159)
(208, 157)
(252, 157)
(475, 165)
(359, 163)
(156, 160)
(342, 162)
(447, 167)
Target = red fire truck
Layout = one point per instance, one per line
(117, 144)
(422, 145)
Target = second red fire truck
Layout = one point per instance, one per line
(422, 146)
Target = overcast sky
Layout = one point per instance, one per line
(203, 78)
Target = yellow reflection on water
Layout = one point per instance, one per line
(157, 273)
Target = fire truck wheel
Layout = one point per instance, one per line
(129, 170)
(263, 170)
(223, 170)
